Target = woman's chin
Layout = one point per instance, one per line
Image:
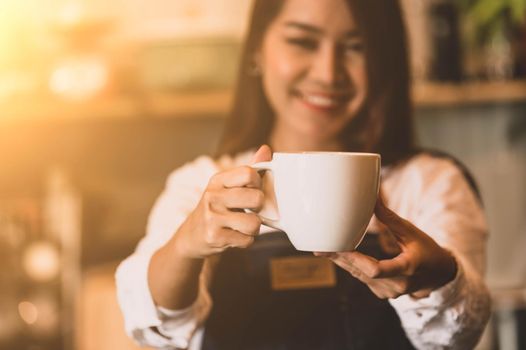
(319, 140)
(326, 132)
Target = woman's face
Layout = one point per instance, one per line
(313, 69)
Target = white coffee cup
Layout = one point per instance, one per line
(324, 200)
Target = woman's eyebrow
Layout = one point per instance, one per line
(317, 30)
(304, 26)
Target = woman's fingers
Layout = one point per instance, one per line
(387, 216)
(395, 267)
(386, 278)
(243, 176)
(357, 263)
(228, 238)
(232, 229)
(421, 266)
(240, 198)
(219, 222)
(372, 268)
(389, 288)
(245, 223)
(401, 229)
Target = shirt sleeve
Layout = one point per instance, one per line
(447, 209)
(147, 324)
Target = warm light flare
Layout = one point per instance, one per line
(15, 28)
(41, 261)
(79, 79)
(40, 312)
(71, 13)
(28, 312)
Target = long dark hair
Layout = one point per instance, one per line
(385, 123)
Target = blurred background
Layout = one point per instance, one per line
(100, 100)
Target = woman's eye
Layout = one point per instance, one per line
(304, 43)
(354, 47)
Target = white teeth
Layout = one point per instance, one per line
(320, 101)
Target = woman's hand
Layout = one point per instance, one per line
(215, 224)
(218, 222)
(421, 267)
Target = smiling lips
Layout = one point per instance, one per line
(323, 101)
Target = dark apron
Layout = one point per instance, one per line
(249, 314)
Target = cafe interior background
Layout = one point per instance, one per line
(100, 100)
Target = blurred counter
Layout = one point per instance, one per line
(442, 95)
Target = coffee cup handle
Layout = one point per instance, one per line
(261, 168)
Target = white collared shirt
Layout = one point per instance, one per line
(430, 192)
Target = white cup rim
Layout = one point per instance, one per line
(314, 153)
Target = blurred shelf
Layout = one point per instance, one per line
(40, 108)
(448, 94)
(216, 103)
(211, 103)
(154, 105)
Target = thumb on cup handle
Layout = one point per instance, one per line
(263, 154)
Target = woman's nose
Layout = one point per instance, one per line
(328, 68)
